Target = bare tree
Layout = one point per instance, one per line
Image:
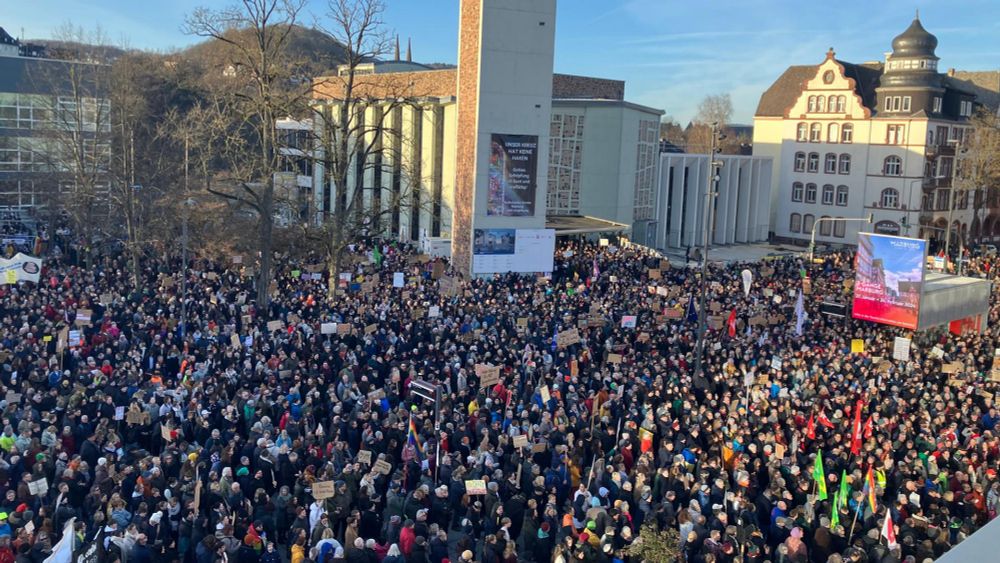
(355, 136)
(712, 109)
(258, 92)
(979, 163)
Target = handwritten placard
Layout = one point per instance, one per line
(274, 325)
(39, 487)
(520, 441)
(488, 375)
(365, 456)
(567, 338)
(323, 490)
(475, 487)
(383, 467)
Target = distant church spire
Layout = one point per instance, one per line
(397, 47)
(409, 53)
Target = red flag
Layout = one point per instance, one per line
(811, 429)
(856, 433)
(824, 420)
(732, 323)
(868, 427)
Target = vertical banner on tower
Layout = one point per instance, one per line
(513, 175)
(889, 278)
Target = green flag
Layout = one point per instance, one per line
(835, 511)
(844, 489)
(377, 256)
(819, 475)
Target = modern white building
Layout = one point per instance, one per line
(741, 208)
(498, 143)
(849, 140)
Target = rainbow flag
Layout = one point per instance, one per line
(870, 489)
(414, 438)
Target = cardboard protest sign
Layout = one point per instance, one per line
(166, 434)
(83, 317)
(567, 338)
(673, 313)
(538, 448)
(520, 441)
(343, 329)
(365, 456)
(323, 490)
(39, 487)
(522, 322)
(952, 367)
(544, 393)
(275, 325)
(654, 274)
(901, 349)
(371, 328)
(614, 358)
(106, 299)
(488, 375)
(383, 467)
(475, 487)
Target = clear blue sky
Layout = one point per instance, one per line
(671, 53)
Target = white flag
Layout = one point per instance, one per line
(800, 314)
(887, 530)
(20, 268)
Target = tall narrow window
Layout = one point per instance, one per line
(906, 103)
(820, 103)
(795, 223)
(808, 220)
(892, 166)
(842, 196)
(810, 193)
(839, 228)
(841, 103)
(814, 162)
(830, 163)
(832, 133)
(828, 194)
(802, 134)
(845, 164)
(812, 104)
(815, 133)
(890, 198)
(847, 133)
(824, 226)
(800, 162)
(797, 189)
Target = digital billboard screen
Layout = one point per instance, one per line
(513, 175)
(889, 278)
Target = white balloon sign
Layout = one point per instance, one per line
(747, 280)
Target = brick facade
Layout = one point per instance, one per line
(469, 37)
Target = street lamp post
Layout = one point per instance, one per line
(812, 238)
(713, 167)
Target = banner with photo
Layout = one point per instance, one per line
(20, 268)
(513, 175)
(889, 278)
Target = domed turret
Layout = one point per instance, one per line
(914, 42)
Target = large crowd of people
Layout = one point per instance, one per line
(171, 421)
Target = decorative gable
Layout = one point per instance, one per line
(829, 94)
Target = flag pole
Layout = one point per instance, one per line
(853, 523)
